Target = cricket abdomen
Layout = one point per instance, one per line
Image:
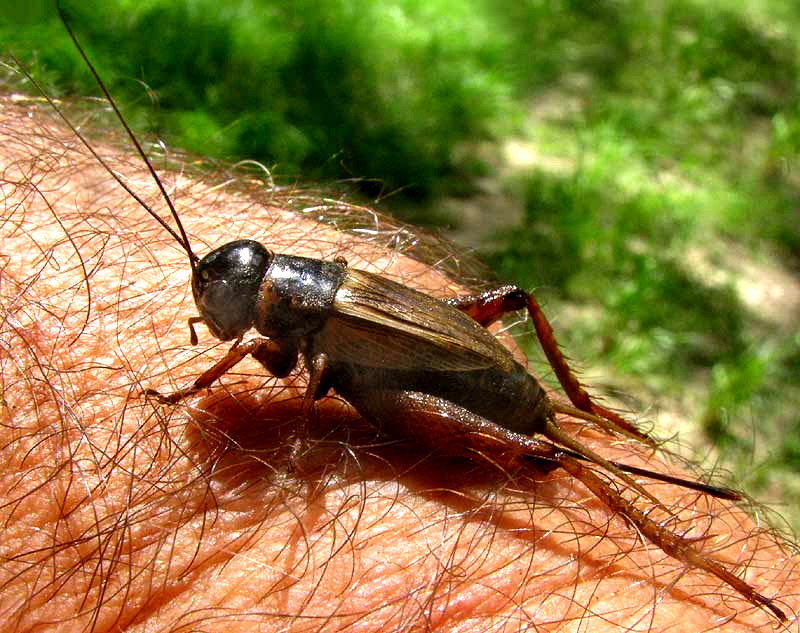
(512, 400)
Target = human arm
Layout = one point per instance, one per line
(118, 512)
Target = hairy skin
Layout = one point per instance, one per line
(230, 513)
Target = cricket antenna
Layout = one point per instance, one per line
(180, 236)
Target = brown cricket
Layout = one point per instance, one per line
(415, 366)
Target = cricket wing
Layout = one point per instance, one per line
(380, 323)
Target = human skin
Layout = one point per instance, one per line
(230, 511)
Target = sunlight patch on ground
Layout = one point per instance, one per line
(763, 285)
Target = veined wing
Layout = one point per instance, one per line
(380, 323)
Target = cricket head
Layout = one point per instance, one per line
(226, 285)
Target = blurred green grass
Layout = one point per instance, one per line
(374, 90)
(659, 197)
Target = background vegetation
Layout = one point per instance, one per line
(637, 162)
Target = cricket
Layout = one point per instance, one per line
(415, 366)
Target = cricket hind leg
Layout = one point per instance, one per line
(490, 306)
(452, 430)
(675, 545)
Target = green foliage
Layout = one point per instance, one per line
(383, 90)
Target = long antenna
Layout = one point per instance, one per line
(180, 236)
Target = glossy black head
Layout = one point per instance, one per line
(226, 287)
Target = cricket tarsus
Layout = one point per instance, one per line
(414, 365)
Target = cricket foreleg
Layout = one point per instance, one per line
(488, 307)
(278, 358)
